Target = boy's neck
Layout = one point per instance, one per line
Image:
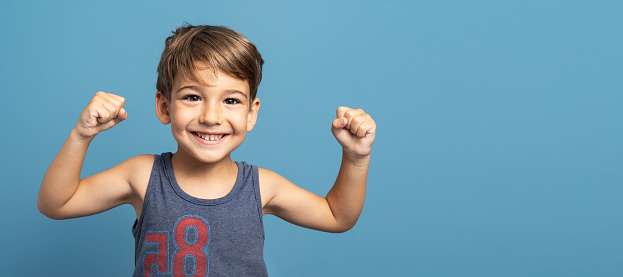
(188, 168)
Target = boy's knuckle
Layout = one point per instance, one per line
(341, 110)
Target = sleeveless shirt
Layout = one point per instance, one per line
(181, 235)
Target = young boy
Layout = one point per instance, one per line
(198, 212)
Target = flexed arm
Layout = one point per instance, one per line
(62, 179)
(340, 209)
(355, 131)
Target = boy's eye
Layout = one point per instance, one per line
(191, 98)
(232, 101)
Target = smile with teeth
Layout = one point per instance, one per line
(209, 137)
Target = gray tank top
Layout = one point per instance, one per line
(181, 235)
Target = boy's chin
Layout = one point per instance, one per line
(212, 159)
(202, 157)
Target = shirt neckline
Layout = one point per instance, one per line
(200, 201)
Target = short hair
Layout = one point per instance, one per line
(221, 48)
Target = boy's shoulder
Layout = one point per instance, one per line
(140, 161)
(268, 176)
(271, 183)
(137, 170)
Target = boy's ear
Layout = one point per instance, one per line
(163, 109)
(252, 117)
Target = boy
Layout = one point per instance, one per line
(198, 212)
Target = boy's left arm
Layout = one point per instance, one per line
(339, 210)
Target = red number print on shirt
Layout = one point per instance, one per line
(160, 256)
(191, 236)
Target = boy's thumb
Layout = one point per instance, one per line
(338, 125)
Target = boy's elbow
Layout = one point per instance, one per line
(48, 212)
(52, 215)
(342, 224)
(342, 228)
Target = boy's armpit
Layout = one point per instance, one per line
(268, 182)
(140, 168)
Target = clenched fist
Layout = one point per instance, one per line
(103, 112)
(354, 130)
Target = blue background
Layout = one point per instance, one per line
(499, 149)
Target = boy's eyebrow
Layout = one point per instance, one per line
(195, 88)
(232, 91)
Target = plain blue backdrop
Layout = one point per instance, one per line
(499, 149)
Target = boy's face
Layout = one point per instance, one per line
(208, 122)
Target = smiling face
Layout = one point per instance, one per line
(209, 119)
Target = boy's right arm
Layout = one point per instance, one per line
(63, 194)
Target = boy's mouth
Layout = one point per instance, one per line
(209, 137)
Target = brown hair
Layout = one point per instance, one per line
(221, 48)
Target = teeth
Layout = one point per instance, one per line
(210, 137)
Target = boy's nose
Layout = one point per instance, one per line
(211, 115)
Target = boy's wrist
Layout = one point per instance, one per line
(76, 136)
(356, 159)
